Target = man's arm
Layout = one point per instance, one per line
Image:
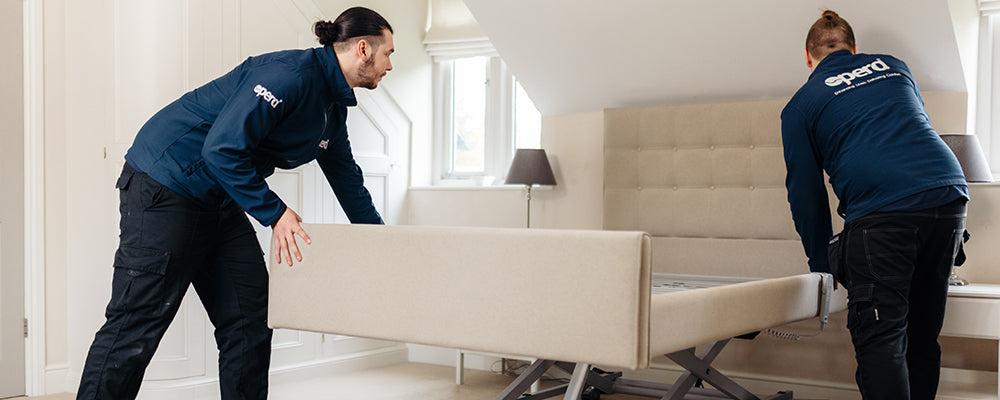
(806, 191)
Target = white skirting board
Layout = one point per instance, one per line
(56, 380)
(446, 357)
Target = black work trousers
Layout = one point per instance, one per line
(167, 243)
(895, 266)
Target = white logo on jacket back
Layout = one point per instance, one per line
(267, 95)
(878, 65)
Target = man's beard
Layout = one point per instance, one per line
(368, 76)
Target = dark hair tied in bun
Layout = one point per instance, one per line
(355, 22)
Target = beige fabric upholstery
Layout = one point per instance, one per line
(761, 258)
(579, 296)
(707, 181)
(690, 318)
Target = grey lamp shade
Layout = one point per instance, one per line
(970, 156)
(530, 167)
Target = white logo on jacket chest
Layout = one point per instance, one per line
(324, 143)
(267, 95)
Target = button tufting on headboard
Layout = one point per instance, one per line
(707, 181)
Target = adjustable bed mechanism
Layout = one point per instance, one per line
(589, 382)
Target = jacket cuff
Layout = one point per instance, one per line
(270, 219)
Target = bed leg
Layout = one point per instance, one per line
(603, 381)
(781, 396)
(578, 382)
(685, 382)
(700, 368)
(517, 388)
(459, 367)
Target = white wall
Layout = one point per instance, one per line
(575, 146)
(498, 207)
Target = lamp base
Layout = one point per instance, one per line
(955, 280)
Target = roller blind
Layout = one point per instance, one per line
(989, 7)
(453, 32)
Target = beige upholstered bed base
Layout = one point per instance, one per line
(580, 297)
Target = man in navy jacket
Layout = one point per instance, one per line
(902, 194)
(194, 171)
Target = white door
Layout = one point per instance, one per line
(11, 204)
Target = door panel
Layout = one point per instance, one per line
(12, 203)
(366, 139)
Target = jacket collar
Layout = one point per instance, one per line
(826, 61)
(341, 91)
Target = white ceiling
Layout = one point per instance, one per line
(587, 55)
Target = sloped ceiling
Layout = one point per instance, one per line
(587, 55)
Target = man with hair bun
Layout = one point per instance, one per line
(194, 171)
(860, 118)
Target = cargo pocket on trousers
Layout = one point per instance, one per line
(861, 306)
(138, 279)
(835, 257)
(124, 179)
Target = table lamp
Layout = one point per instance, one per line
(976, 170)
(970, 156)
(530, 167)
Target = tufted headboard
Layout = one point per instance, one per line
(707, 181)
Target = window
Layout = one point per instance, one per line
(483, 115)
(481, 112)
(468, 115)
(988, 87)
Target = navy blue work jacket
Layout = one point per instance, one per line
(218, 142)
(861, 119)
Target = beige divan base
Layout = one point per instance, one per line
(580, 297)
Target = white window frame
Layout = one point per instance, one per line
(988, 83)
(499, 125)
